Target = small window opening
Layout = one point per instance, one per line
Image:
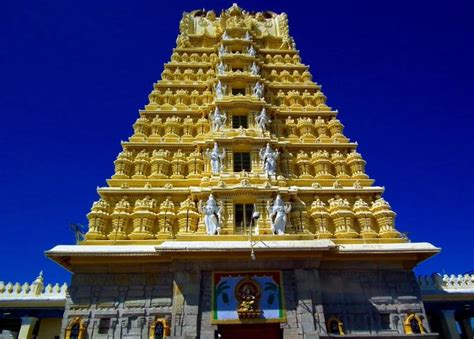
(238, 91)
(243, 217)
(239, 120)
(104, 325)
(242, 162)
(159, 330)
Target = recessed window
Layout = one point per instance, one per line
(239, 120)
(242, 162)
(238, 91)
(104, 325)
(75, 330)
(243, 216)
(385, 321)
(159, 330)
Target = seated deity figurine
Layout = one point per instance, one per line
(222, 51)
(254, 69)
(258, 90)
(212, 216)
(218, 120)
(216, 158)
(220, 68)
(263, 120)
(251, 51)
(225, 36)
(269, 157)
(247, 36)
(278, 214)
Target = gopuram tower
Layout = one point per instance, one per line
(239, 209)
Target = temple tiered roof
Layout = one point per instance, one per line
(235, 84)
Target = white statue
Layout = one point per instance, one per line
(251, 51)
(216, 158)
(212, 216)
(263, 120)
(222, 51)
(225, 36)
(258, 90)
(218, 120)
(247, 36)
(220, 90)
(254, 69)
(220, 68)
(269, 157)
(278, 214)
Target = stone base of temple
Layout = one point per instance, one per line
(306, 295)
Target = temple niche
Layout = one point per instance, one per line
(238, 186)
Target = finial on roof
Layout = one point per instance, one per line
(39, 278)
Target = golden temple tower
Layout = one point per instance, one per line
(238, 182)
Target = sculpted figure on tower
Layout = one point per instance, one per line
(278, 214)
(263, 120)
(220, 89)
(212, 215)
(269, 157)
(218, 120)
(216, 158)
(258, 90)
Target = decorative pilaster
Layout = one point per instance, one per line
(342, 217)
(357, 165)
(143, 217)
(320, 215)
(188, 217)
(120, 220)
(166, 218)
(98, 220)
(364, 218)
(160, 164)
(385, 219)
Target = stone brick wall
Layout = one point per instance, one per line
(369, 301)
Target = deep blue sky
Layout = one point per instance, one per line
(74, 74)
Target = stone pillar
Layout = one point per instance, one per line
(448, 324)
(466, 328)
(27, 327)
(309, 310)
(187, 286)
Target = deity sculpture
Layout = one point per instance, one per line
(216, 158)
(269, 157)
(285, 161)
(263, 120)
(220, 68)
(220, 90)
(247, 36)
(258, 90)
(254, 69)
(225, 36)
(212, 215)
(278, 214)
(222, 51)
(251, 51)
(218, 120)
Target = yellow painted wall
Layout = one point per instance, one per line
(49, 327)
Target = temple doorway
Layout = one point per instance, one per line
(249, 331)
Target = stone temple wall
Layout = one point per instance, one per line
(369, 302)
